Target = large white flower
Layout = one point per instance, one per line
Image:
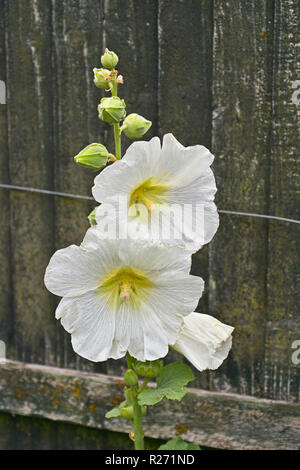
(204, 341)
(161, 193)
(122, 295)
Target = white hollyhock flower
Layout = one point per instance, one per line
(122, 295)
(204, 341)
(161, 193)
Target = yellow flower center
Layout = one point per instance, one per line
(150, 192)
(125, 285)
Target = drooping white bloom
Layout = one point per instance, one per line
(122, 295)
(161, 193)
(204, 341)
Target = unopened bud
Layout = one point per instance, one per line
(101, 78)
(112, 110)
(135, 126)
(109, 59)
(148, 368)
(127, 412)
(131, 378)
(94, 156)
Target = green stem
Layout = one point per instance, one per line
(117, 141)
(144, 385)
(137, 425)
(137, 415)
(117, 135)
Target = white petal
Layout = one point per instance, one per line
(174, 295)
(141, 332)
(115, 179)
(183, 165)
(204, 341)
(153, 257)
(144, 155)
(137, 165)
(75, 270)
(91, 324)
(72, 271)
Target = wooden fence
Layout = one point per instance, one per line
(220, 73)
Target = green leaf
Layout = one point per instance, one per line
(178, 444)
(170, 383)
(114, 413)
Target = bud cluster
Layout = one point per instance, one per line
(113, 111)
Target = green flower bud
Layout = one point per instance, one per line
(112, 110)
(109, 59)
(127, 412)
(92, 218)
(129, 395)
(94, 156)
(130, 377)
(148, 368)
(100, 78)
(135, 126)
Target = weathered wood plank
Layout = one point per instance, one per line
(6, 318)
(130, 29)
(283, 327)
(28, 33)
(27, 433)
(77, 46)
(185, 31)
(241, 125)
(209, 418)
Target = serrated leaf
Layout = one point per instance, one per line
(170, 384)
(178, 444)
(114, 413)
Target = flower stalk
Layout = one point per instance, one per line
(137, 413)
(117, 136)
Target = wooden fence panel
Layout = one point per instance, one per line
(6, 310)
(77, 43)
(241, 123)
(283, 326)
(185, 78)
(130, 29)
(28, 32)
(214, 73)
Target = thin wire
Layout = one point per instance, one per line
(45, 191)
(262, 216)
(89, 198)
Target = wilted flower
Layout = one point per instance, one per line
(101, 78)
(171, 189)
(204, 341)
(122, 295)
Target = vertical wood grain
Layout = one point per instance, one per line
(6, 311)
(77, 47)
(28, 46)
(241, 126)
(185, 30)
(282, 379)
(130, 29)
